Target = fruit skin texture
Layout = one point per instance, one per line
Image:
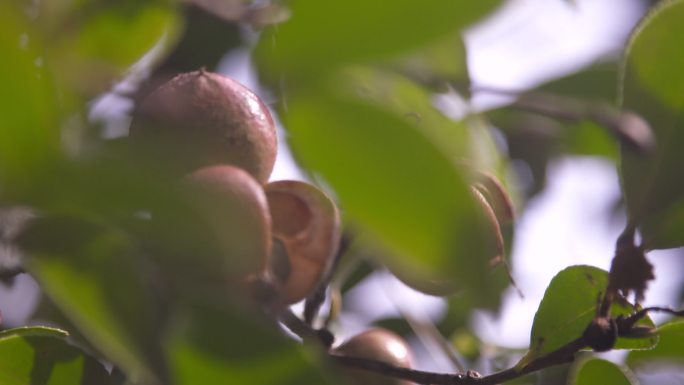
(376, 344)
(201, 118)
(233, 204)
(307, 224)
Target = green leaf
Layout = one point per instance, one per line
(93, 274)
(34, 331)
(438, 64)
(413, 103)
(569, 305)
(668, 350)
(29, 137)
(403, 191)
(324, 35)
(40, 355)
(93, 42)
(222, 344)
(652, 84)
(600, 372)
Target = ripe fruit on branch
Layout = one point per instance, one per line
(201, 118)
(380, 345)
(234, 206)
(306, 228)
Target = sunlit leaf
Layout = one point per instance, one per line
(415, 104)
(93, 274)
(34, 331)
(668, 350)
(397, 184)
(600, 372)
(324, 35)
(29, 137)
(569, 305)
(223, 345)
(652, 83)
(41, 355)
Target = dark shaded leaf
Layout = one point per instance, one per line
(41, 356)
(93, 274)
(222, 344)
(652, 83)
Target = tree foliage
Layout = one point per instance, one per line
(132, 271)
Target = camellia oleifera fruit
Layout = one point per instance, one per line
(306, 230)
(233, 205)
(380, 345)
(201, 118)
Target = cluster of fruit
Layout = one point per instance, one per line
(285, 233)
(223, 138)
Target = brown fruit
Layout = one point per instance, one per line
(306, 228)
(381, 345)
(234, 206)
(201, 118)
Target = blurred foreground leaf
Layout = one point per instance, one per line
(652, 83)
(41, 355)
(321, 36)
(400, 187)
(223, 345)
(93, 274)
(29, 136)
(93, 42)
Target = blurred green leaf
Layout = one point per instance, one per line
(324, 35)
(398, 185)
(29, 136)
(93, 274)
(34, 331)
(596, 82)
(668, 350)
(652, 83)
(569, 305)
(40, 355)
(600, 372)
(222, 344)
(92, 42)
(410, 102)
(438, 64)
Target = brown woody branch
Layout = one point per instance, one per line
(562, 355)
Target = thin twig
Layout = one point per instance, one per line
(305, 331)
(315, 300)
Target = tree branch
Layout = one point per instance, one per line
(562, 355)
